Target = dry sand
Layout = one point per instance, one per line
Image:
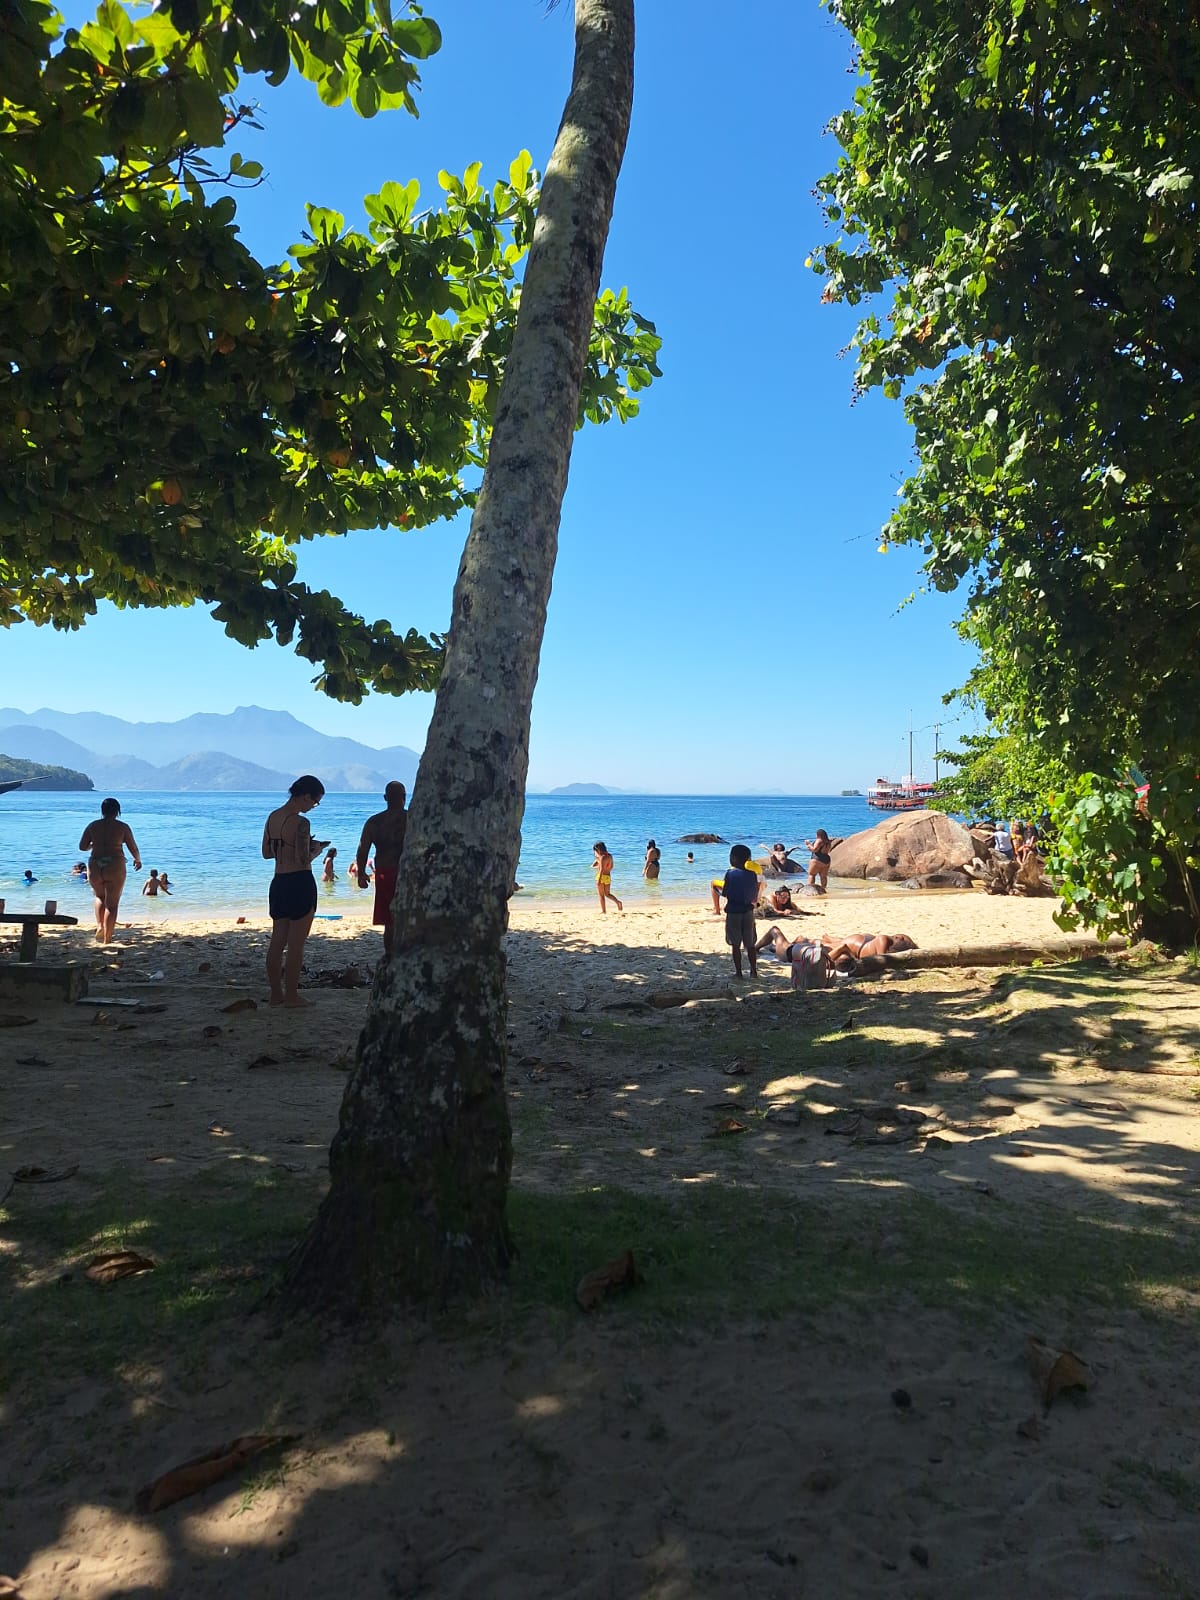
(616, 1455)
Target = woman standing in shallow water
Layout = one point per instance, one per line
(287, 840)
(108, 838)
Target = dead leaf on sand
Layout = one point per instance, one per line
(739, 1067)
(217, 1131)
(617, 1274)
(1056, 1370)
(10, 1019)
(42, 1175)
(212, 1031)
(265, 1060)
(205, 966)
(244, 1004)
(114, 1265)
(190, 1477)
(726, 1127)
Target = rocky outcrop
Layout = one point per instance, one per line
(701, 838)
(911, 844)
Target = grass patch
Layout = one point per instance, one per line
(216, 1240)
(717, 1252)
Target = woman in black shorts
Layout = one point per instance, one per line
(288, 842)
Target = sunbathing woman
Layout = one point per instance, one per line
(861, 945)
(108, 839)
(287, 840)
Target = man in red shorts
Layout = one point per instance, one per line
(385, 832)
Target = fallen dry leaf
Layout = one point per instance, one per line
(10, 1019)
(265, 1060)
(737, 1068)
(244, 1004)
(217, 1131)
(1056, 1370)
(190, 1477)
(725, 1127)
(205, 966)
(212, 1031)
(114, 1265)
(618, 1274)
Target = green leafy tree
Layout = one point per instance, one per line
(1021, 175)
(176, 417)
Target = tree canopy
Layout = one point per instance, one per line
(177, 417)
(1021, 175)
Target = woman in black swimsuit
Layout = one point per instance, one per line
(818, 866)
(287, 840)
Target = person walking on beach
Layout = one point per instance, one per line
(740, 889)
(154, 883)
(653, 857)
(602, 866)
(818, 866)
(108, 838)
(385, 833)
(287, 841)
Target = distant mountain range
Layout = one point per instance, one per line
(224, 751)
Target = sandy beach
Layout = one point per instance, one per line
(822, 1386)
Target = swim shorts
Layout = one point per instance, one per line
(740, 929)
(385, 893)
(293, 896)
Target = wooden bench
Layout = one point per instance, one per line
(32, 923)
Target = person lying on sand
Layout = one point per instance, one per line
(861, 945)
(807, 958)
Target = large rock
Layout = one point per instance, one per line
(910, 844)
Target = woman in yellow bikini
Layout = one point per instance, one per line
(108, 838)
(602, 866)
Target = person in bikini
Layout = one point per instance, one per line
(807, 958)
(287, 841)
(108, 838)
(653, 858)
(861, 945)
(602, 865)
(384, 831)
(818, 866)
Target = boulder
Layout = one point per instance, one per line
(909, 844)
(701, 838)
(790, 868)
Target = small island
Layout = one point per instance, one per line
(18, 774)
(581, 788)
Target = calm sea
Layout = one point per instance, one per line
(209, 843)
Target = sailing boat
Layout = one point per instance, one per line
(908, 794)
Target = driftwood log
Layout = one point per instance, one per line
(1017, 953)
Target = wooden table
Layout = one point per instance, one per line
(31, 925)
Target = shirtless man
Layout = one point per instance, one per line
(287, 840)
(154, 883)
(385, 831)
(108, 838)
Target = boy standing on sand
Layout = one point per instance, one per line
(740, 889)
(602, 865)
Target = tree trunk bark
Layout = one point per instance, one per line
(421, 1160)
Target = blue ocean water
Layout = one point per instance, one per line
(209, 843)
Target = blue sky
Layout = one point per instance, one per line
(721, 619)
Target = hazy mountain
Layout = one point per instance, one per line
(582, 788)
(248, 749)
(42, 744)
(275, 740)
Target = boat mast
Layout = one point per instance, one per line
(912, 778)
